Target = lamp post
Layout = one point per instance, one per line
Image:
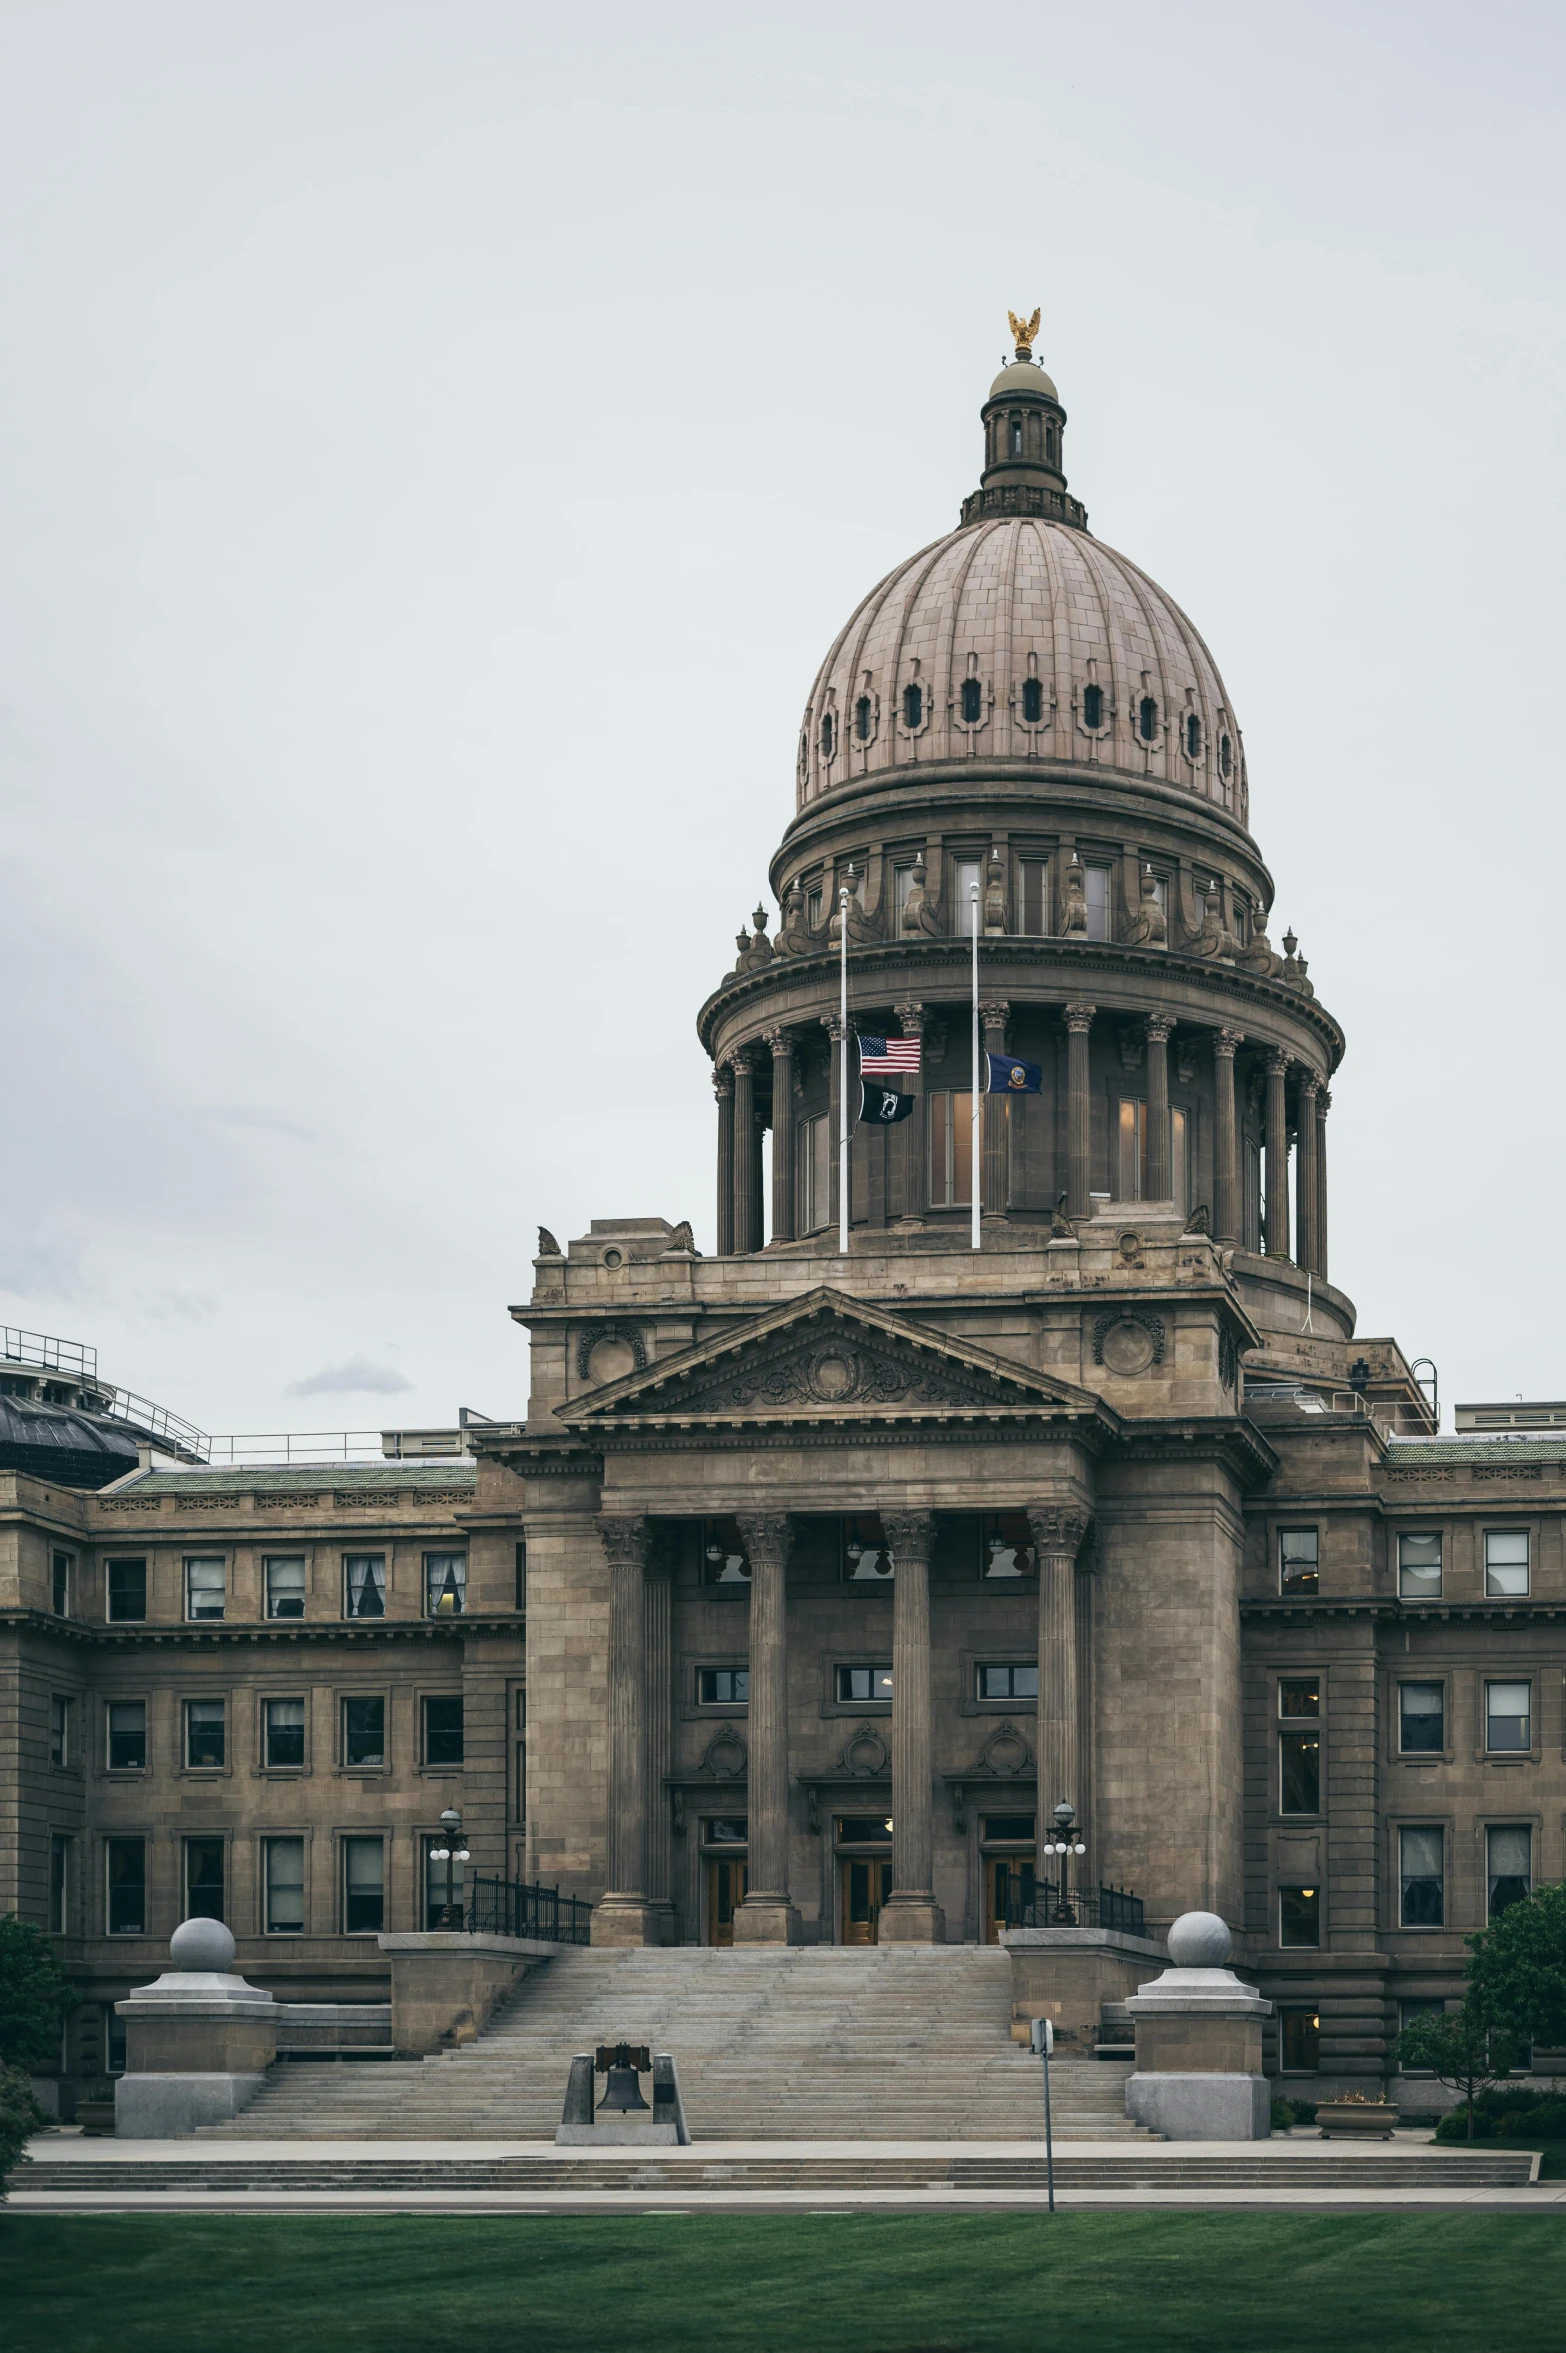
(451, 1847)
(1066, 1842)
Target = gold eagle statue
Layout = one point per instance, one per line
(1024, 330)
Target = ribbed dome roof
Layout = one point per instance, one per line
(57, 1442)
(1002, 601)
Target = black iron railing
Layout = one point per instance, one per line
(510, 1907)
(1041, 1906)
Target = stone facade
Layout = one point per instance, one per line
(810, 1576)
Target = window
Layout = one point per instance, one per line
(815, 1173)
(285, 1887)
(1253, 1195)
(1006, 1545)
(1299, 2041)
(1421, 1719)
(951, 1149)
(285, 1585)
(913, 707)
(1095, 888)
(205, 1743)
(1225, 757)
(127, 1589)
(723, 1686)
(1297, 1560)
(1131, 1130)
(729, 1830)
(1034, 894)
(1093, 707)
(1509, 1855)
(1008, 1682)
(1193, 736)
(826, 735)
(858, 1685)
(521, 1552)
(1508, 1712)
(863, 717)
(972, 702)
(866, 1560)
(1147, 719)
(127, 1751)
(967, 877)
(364, 1585)
(1409, 2011)
(59, 1730)
(444, 1895)
(1299, 1773)
(1419, 1568)
(205, 1586)
(59, 1883)
(113, 2043)
(126, 1861)
(364, 1886)
(445, 1584)
(285, 1731)
(1299, 1916)
(1032, 701)
(443, 1731)
(364, 1731)
(864, 1830)
(1506, 1563)
(60, 1566)
(1421, 1870)
(723, 1560)
(1179, 1182)
(1014, 436)
(813, 907)
(203, 1879)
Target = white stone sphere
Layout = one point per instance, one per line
(1199, 1940)
(202, 1945)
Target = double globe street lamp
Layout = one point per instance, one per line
(1065, 1843)
(450, 1847)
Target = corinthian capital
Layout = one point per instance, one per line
(1078, 1016)
(766, 1535)
(624, 1537)
(1059, 1529)
(910, 1535)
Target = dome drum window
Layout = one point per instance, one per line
(1147, 721)
(1225, 758)
(1095, 709)
(867, 717)
(828, 735)
(913, 705)
(971, 703)
(1192, 743)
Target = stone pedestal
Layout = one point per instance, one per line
(198, 2041)
(1067, 1975)
(1198, 2043)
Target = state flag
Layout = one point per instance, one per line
(880, 1105)
(1010, 1075)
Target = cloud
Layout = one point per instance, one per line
(382, 1380)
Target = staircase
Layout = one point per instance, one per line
(777, 2043)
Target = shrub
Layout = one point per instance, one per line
(1282, 2115)
(1508, 2111)
(36, 1997)
(20, 2118)
(1304, 2111)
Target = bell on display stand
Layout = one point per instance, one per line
(621, 2063)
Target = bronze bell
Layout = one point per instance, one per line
(621, 2063)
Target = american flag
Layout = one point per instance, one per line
(879, 1057)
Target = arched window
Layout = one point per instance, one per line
(1193, 736)
(826, 735)
(1016, 437)
(1225, 756)
(913, 706)
(863, 714)
(972, 702)
(1092, 706)
(1147, 718)
(1032, 701)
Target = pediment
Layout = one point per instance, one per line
(826, 1357)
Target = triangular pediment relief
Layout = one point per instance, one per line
(826, 1357)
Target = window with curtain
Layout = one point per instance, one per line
(205, 1588)
(127, 1735)
(364, 1585)
(1421, 1718)
(1506, 1563)
(445, 1584)
(205, 1733)
(364, 1886)
(285, 1586)
(1419, 1568)
(204, 1879)
(1510, 1858)
(126, 1861)
(284, 1721)
(1422, 1878)
(1508, 1718)
(285, 1887)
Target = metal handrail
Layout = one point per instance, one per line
(514, 1907)
(49, 1355)
(1112, 1907)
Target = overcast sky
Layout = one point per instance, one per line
(437, 444)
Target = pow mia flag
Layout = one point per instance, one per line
(880, 1105)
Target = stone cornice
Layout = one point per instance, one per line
(267, 1632)
(1308, 1607)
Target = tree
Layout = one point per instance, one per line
(1460, 2048)
(36, 1997)
(20, 2118)
(1518, 1970)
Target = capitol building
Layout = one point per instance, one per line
(825, 1594)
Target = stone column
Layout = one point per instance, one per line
(1058, 1532)
(1323, 1106)
(624, 1915)
(834, 1030)
(1079, 1130)
(723, 1088)
(745, 1150)
(781, 1042)
(1160, 1179)
(658, 1684)
(1227, 1203)
(1277, 1157)
(993, 1127)
(908, 1137)
(912, 1916)
(766, 1916)
(1305, 1218)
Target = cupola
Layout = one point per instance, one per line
(1024, 434)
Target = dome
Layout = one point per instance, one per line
(1020, 638)
(57, 1442)
(1023, 375)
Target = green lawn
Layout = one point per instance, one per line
(1110, 2282)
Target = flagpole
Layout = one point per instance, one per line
(842, 1079)
(975, 1184)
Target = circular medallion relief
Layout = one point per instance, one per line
(833, 1373)
(610, 1360)
(1128, 1348)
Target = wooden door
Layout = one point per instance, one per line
(1005, 1876)
(865, 1886)
(726, 1876)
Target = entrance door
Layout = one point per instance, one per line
(725, 1891)
(865, 1888)
(1008, 1883)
